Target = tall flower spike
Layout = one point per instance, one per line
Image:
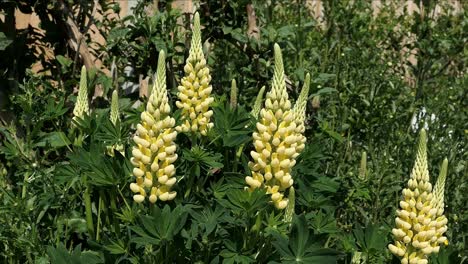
(438, 203)
(363, 166)
(114, 114)
(233, 101)
(194, 93)
(300, 114)
(416, 232)
(289, 212)
(81, 106)
(258, 103)
(155, 150)
(275, 141)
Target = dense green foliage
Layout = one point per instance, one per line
(53, 169)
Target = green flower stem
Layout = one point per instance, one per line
(114, 209)
(98, 224)
(88, 211)
(25, 183)
(237, 158)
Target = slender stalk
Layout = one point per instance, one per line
(98, 224)
(88, 211)
(114, 209)
(237, 158)
(25, 183)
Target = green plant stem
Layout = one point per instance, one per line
(98, 224)
(88, 211)
(25, 183)
(237, 158)
(114, 209)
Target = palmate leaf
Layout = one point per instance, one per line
(60, 255)
(198, 159)
(322, 223)
(240, 201)
(230, 257)
(101, 170)
(208, 218)
(300, 247)
(54, 139)
(370, 239)
(161, 226)
(232, 125)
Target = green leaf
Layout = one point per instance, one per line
(300, 246)
(242, 202)
(64, 61)
(325, 90)
(322, 223)
(60, 255)
(161, 226)
(232, 125)
(54, 139)
(4, 41)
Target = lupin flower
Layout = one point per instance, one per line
(114, 118)
(275, 141)
(258, 103)
(363, 166)
(418, 233)
(438, 203)
(114, 114)
(233, 99)
(81, 106)
(299, 111)
(155, 150)
(194, 93)
(289, 212)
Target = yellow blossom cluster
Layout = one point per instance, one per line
(155, 150)
(276, 140)
(419, 228)
(114, 113)
(299, 111)
(82, 106)
(195, 89)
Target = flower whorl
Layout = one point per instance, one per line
(275, 140)
(417, 229)
(194, 93)
(155, 150)
(81, 106)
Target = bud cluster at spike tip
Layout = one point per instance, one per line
(276, 140)
(81, 105)
(258, 103)
(438, 202)
(155, 150)
(114, 113)
(195, 89)
(419, 228)
(299, 111)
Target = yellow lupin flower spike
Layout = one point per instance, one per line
(82, 106)
(233, 97)
(114, 113)
(275, 140)
(194, 93)
(416, 232)
(363, 166)
(258, 103)
(300, 114)
(155, 150)
(438, 202)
